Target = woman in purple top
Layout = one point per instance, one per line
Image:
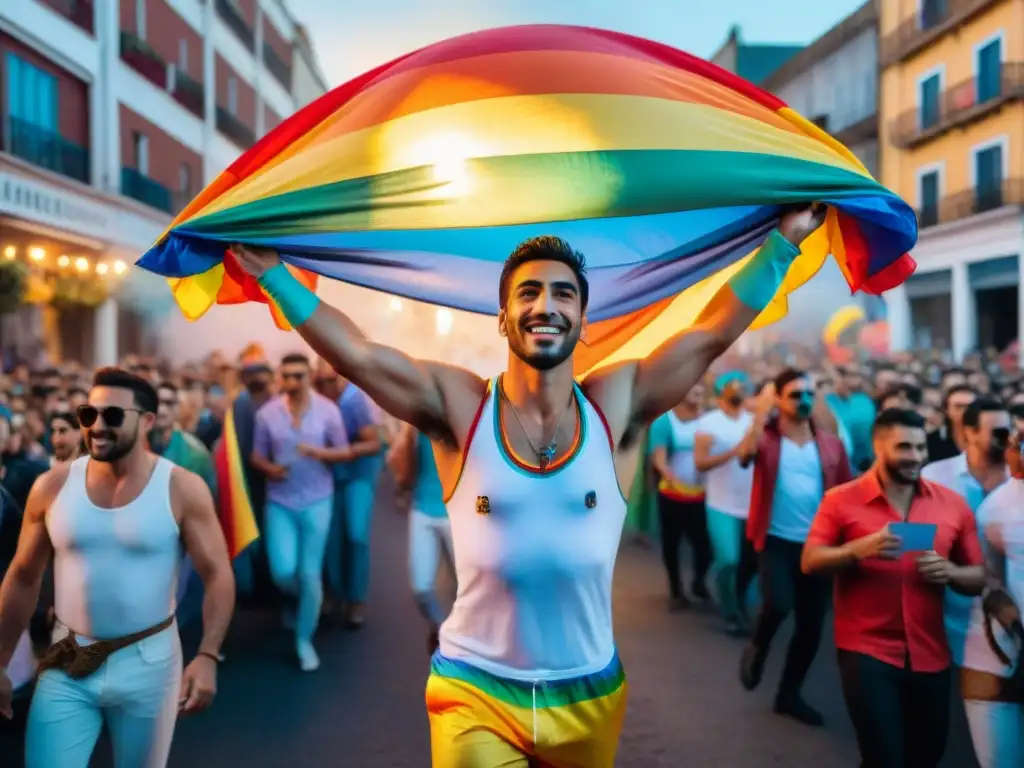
(298, 435)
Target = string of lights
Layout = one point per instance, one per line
(40, 259)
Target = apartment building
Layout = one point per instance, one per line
(952, 134)
(113, 114)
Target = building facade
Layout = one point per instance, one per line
(113, 115)
(833, 82)
(952, 135)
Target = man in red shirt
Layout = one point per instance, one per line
(894, 659)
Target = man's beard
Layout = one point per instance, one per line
(116, 449)
(903, 474)
(545, 358)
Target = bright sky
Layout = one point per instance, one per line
(352, 36)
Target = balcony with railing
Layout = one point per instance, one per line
(138, 186)
(959, 105)
(78, 12)
(188, 92)
(970, 202)
(933, 19)
(278, 67)
(235, 129)
(45, 148)
(140, 56)
(230, 14)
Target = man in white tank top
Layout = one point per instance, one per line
(527, 669)
(114, 522)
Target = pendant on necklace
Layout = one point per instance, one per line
(545, 456)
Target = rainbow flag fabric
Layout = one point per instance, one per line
(420, 176)
(237, 518)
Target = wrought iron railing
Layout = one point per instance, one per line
(234, 129)
(970, 202)
(233, 18)
(140, 187)
(46, 149)
(78, 12)
(961, 103)
(278, 67)
(930, 21)
(140, 56)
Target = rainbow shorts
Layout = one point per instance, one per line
(479, 720)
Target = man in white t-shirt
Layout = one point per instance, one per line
(992, 677)
(973, 474)
(721, 448)
(681, 496)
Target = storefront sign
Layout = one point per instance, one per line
(62, 209)
(38, 202)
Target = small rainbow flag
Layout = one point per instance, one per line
(419, 177)
(235, 507)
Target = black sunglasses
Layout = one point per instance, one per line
(802, 394)
(113, 415)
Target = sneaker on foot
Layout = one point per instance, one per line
(679, 603)
(309, 661)
(700, 591)
(752, 666)
(799, 710)
(356, 616)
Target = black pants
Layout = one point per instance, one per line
(901, 717)
(746, 570)
(678, 519)
(784, 588)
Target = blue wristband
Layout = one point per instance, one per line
(296, 301)
(756, 284)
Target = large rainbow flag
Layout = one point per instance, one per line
(419, 177)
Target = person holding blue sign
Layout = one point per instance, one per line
(894, 542)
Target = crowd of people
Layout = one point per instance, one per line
(889, 486)
(781, 472)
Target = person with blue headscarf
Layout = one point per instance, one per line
(722, 448)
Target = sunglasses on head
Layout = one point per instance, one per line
(113, 415)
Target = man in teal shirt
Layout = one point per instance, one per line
(855, 410)
(187, 452)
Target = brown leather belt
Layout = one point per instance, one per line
(78, 661)
(984, 686)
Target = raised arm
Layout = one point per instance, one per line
(654, 385)
(415, 391)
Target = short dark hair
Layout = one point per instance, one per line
(1017, 411)
(67, 416)
(295, 358)
(544, 248)
(118, 378)
(972, 414)
(956, 390)
(897, 417)
(786, 376)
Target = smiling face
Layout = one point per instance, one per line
(112, 423)
(543, 316)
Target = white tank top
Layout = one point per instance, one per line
(115, 570)
(534, 564)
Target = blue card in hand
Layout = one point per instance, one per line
(914, 537)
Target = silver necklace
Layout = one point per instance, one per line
(547, 454)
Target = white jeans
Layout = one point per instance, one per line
(135, 691)
(428, 537)
(997, 730)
